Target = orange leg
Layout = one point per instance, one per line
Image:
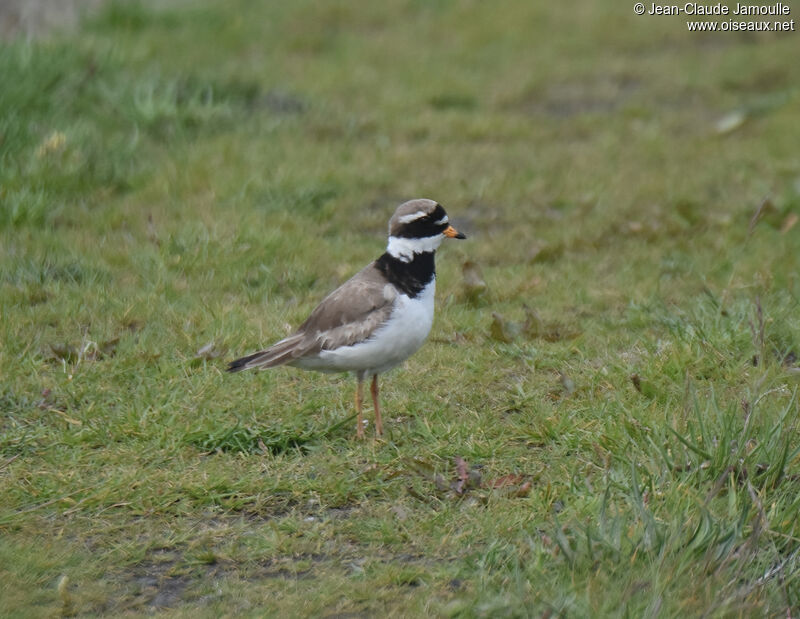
(376, 405)
(359, 398)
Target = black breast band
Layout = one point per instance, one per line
(409, 277)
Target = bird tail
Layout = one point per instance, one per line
(285, 351)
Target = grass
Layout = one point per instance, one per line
(181, 185)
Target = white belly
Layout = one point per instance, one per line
(390, 345)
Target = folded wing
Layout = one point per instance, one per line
(347, 316)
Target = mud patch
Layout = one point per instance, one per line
(157, 582)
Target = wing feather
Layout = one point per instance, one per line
(347, 316)
(351, 313)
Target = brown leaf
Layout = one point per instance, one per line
(765, 208)
(109, 347)
(512, 486)
(505, 480)
(462, 468)
(533, 326)
(65, 352)
(426, 469)
(152, 233)
(93, 351)
(400, 512)
(536, 328)
(132, 325)
(501, 330)
(645, 387)
(475, 286)
(46, 402)
(566, 383)
(556, 333)
(542, 252)
(65, 417)
(462, 472)
(475, 480)
(417, 495)
(370, 469)
(524, 490)
(440, 483)
(789, 222)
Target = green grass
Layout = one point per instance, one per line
(179, 186)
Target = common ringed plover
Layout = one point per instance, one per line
(376, 319)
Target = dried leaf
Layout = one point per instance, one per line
(475, 479)
(502, 330)
(109, 347)
(542, 252)
(766, 208)
(440, 483)
(65, 352)
(417, 495)
(534, 325)
(426, 469)
(789, 222)
(152, 233)
(53, 144)
(38, 295)
(567, 383)
(462, 474)
(535, 328)
(462, 468)
(133, 325)
(371, 469)
(556, 333)
(210, 351)
(524, 490)
(475, 286)
(468, 478)
(65, 417)
(400, 512)
(67, 603)
(730, 122)
(511, 486)
(505, 480)
(46, 402)
(643, 386)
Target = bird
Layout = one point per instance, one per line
(379, 317)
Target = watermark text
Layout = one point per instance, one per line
(739, 17)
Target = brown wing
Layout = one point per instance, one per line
(346, 316)
(350, 313)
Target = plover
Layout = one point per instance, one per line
(376, 319)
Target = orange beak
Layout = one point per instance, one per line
(451, 233)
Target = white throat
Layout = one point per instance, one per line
(404, 248)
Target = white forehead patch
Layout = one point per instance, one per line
(406, 219)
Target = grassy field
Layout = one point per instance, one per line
(604, 421)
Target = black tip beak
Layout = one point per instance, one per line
(452, 233)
